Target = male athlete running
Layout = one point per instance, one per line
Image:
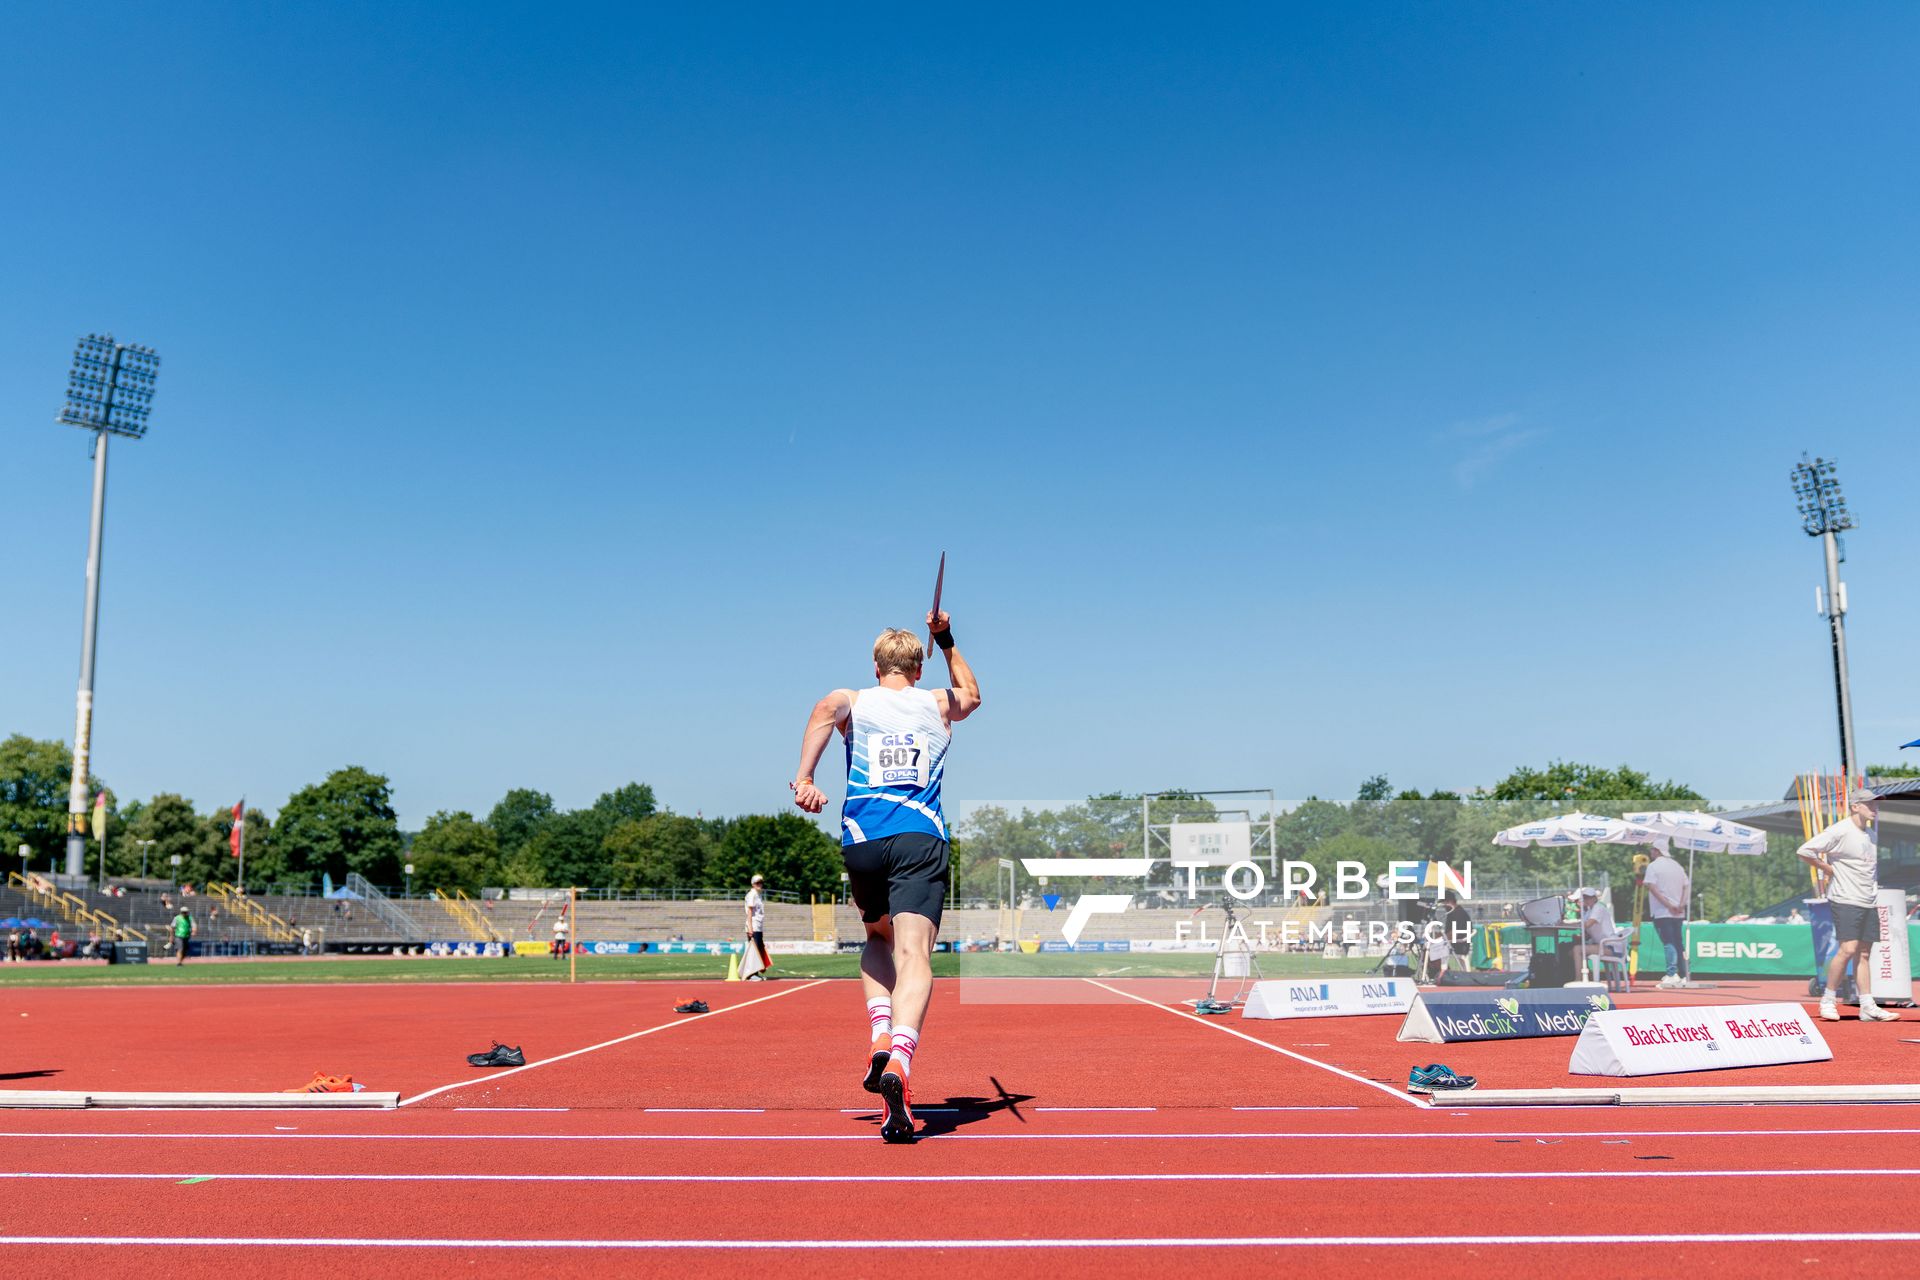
(893, 838)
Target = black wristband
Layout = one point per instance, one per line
(944, 639)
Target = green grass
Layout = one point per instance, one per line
(632, 968)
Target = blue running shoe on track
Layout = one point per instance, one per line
(1437, 1078)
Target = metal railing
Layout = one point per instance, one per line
(382, 906)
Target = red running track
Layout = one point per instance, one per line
(739, 1139)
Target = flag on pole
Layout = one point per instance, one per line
(235, 836)
(100, 816)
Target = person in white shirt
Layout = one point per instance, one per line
(1849, 865)
(560, 934)
(756, 905)
(1596, 924)
(1668, 889)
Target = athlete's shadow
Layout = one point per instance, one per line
(950, 1114)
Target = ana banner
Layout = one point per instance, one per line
(1329, 997)
(1651, 1042)
(1442, 1017)
(1890, 963)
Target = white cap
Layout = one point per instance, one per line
(758, 879)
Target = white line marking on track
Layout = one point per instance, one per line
(1480, 1135)
(606, 1044)
(1389, 1090)
(1431, 1175)
(1112, 1242)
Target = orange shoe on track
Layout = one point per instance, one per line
(322, 1082)
(899, 1122)
(877, 1062)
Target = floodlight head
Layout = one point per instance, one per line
(111, 387)
(1823, 508)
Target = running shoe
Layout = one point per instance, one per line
(899, 1123)
(1437, 1078)
(501, 1055)
(322, 1082)
(691, 1006)
(1874, 1013)
(1829, 1010)
(877, 1062)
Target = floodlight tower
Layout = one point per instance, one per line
(110, 394)
(1824, 515)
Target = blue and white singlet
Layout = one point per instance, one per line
(896, 754)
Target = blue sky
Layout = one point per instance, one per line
(561, 395)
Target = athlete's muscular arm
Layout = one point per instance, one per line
(964, 698)
(829, 713)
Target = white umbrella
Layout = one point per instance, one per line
(1703, 831)
(1578, 830)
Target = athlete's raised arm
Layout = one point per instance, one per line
(964, 698)
(828, 714)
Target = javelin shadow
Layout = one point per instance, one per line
(28, 1075)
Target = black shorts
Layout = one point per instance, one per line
(1851, 923)
(894, 875)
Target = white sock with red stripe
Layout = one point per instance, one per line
(880, 1016)
(905, 1041)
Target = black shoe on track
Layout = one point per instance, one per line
(899, 1123)
(501, 1055)
(875, 1066)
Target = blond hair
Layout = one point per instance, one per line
(897, 651)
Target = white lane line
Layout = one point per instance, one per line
(1075, 1242)
(1424, 1175)
(1483, 1135)
(605, 1044)
(1389, 1090)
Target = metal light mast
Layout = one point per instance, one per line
(110, 394)
(1824, 515)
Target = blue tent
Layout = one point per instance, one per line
(31, 922)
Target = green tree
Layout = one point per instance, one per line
(789, 851)
(34, 776)
(625, 804)
(566, 850)
(520, 813)
(453, 851)
(1592, 789)
(1893, 771)
(343, 824)
(170, 822)
(659, 851)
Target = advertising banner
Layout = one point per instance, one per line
(1758, 950)
(533, 948)
(1648, 1042)
(613, 948)
(1329, 997)
(1889, 963)
(1490, 1013)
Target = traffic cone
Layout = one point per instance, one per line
(733, 965)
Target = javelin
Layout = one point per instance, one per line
(939, 581)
